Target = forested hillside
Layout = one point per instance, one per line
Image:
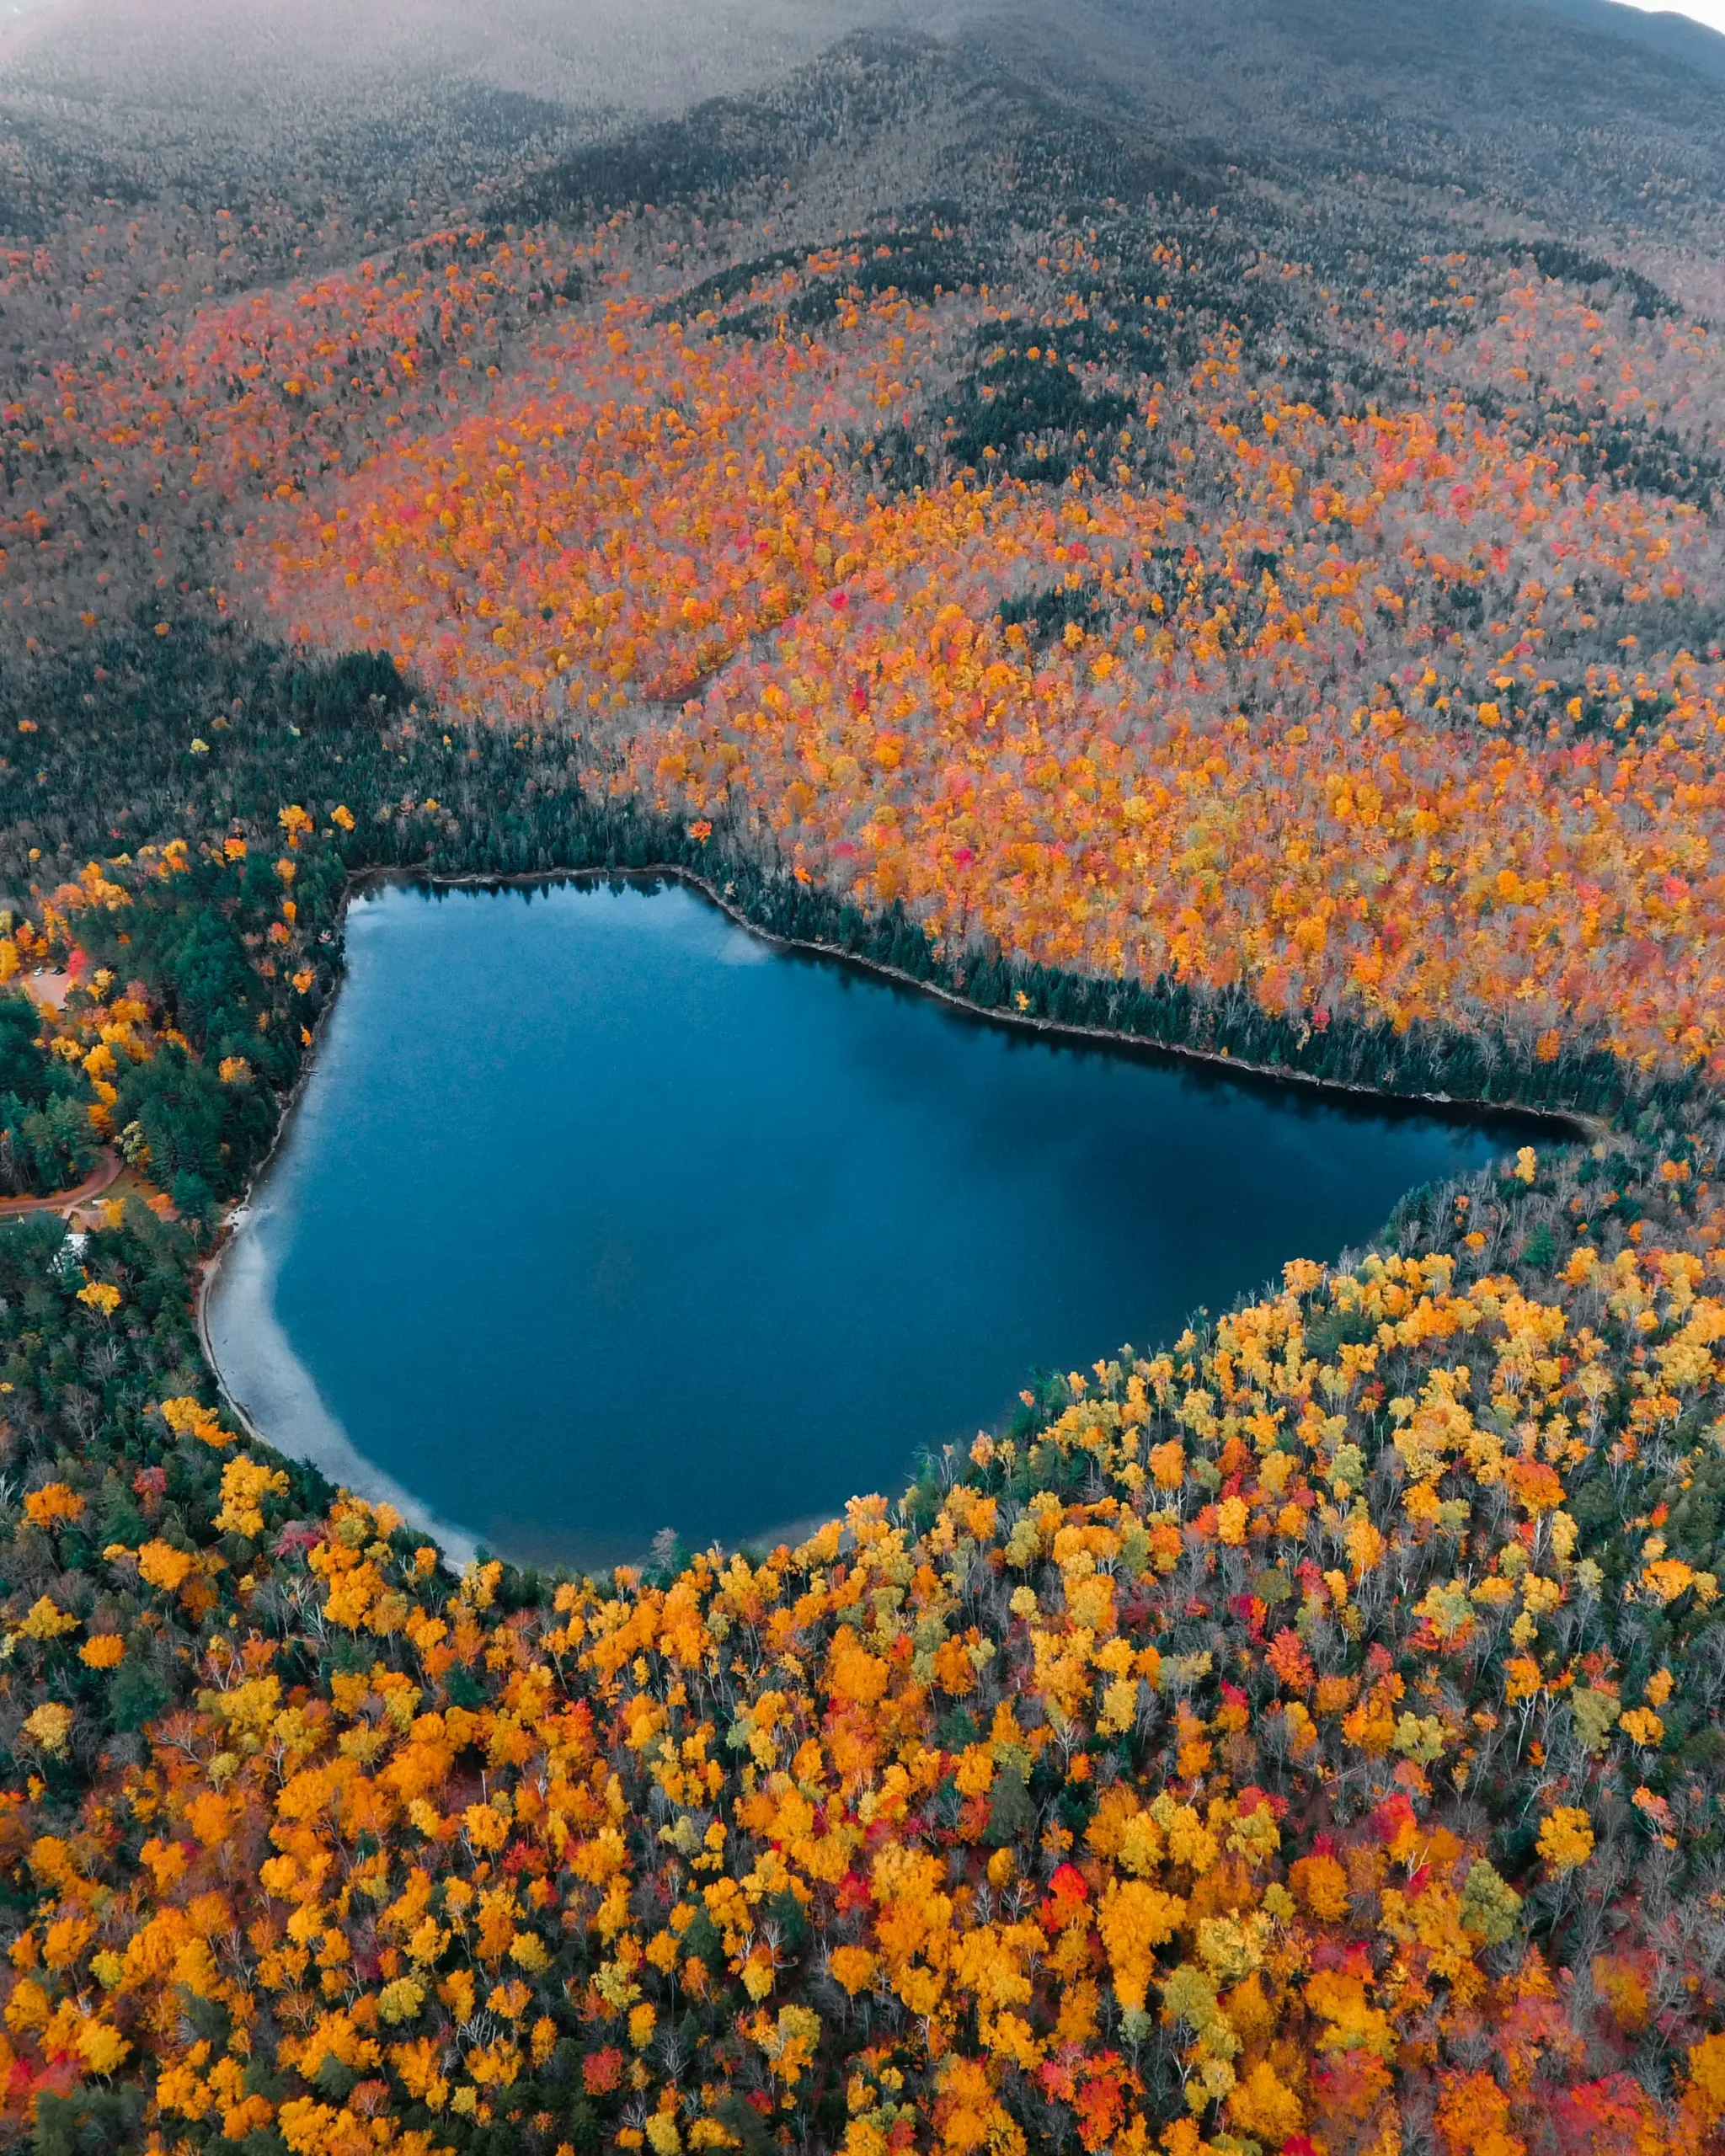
(1201, 525)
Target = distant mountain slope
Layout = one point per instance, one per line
(215, 61)
(1200, 519)
(1572, 111)
(1678, 37)
(390, 101)
(1549, 117)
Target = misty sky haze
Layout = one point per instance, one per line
(1712, 13)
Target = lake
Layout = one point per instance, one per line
(599, 1215)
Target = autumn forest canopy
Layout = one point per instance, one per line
(1199, 523)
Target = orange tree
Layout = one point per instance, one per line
(1273, 1740)
(1298, 1737)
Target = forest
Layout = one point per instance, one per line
(1236, 572)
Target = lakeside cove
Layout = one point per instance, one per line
(772, 1177)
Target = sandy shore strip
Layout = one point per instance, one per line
(276, 1399)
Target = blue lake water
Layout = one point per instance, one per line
(600, 1216)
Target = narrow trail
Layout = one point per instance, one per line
(62, 1201)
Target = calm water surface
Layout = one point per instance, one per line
(600, 1216)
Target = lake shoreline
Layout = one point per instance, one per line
(458, 1547)
(1583, 1128)
(331, 1452)
(459, 1544)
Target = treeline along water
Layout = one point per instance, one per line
(600, 1215)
